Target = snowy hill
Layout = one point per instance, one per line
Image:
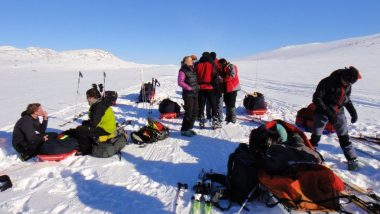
(145, 180)
(34, 58)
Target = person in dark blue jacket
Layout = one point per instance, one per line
(332, 94)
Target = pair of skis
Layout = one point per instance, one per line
(353, 192)
(201, 200)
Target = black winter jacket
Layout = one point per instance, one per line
(96, 113)
(330, 95)
(28, 134)
(191, 80)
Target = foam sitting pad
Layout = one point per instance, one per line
(56, 157)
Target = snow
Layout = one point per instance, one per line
(145, 179)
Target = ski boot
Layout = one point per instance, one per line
(353, 165)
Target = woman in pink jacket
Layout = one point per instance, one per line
(188, 81)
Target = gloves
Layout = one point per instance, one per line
(351, 109)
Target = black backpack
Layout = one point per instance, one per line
(241, 179)
(254, 101)
(242, 173)
(169, 106)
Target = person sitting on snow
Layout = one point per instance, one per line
(101, 125)
(332, 94)
(30, 137)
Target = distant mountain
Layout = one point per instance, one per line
(43, 58)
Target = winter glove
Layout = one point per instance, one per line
(351, 109)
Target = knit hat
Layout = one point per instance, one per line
(351, 74)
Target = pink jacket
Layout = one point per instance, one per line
(181, 81)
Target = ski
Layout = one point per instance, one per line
(196, 206)
(207, 196)
(367, 139)
(75, 118)
(369, 207)
(181, 188)
(368, 192)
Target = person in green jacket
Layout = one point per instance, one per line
(101, 125)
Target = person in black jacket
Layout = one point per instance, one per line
(101, 125)
(332, 94)
(30, 137)
(29, 133)
(188, 81)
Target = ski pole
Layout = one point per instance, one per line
(78, 94)
(246, 200)
(104, 82)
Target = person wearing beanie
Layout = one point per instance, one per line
(218, 91)
(207, 74)
(101, 125)
(231, 85)
(332, 94)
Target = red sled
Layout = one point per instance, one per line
(56, 157)
(258, 111)
(304, 120)
(169, 115)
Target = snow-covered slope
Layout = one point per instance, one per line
(36, 59)
(145, 180)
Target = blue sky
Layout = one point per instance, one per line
(163, 31)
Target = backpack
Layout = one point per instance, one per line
(111, 146)
(169, 106)
(304, 119)
(148, 90)
(255, 103)
(241, 180)
(278, 153)
(241, 173)
(151, 133)
(110, 97)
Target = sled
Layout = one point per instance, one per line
(304, 120)
(168, 115)
(56, 157)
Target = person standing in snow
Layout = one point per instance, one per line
(207, 74)
(332, 94)
(231, 85)
(188, 81)
(218, 87)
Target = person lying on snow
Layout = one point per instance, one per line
(332, 94)
(30, 137)
(101, 125)
(277, 149)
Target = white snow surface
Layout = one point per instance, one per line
(145, 179)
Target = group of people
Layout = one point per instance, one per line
(207, 82)
(30, 137)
